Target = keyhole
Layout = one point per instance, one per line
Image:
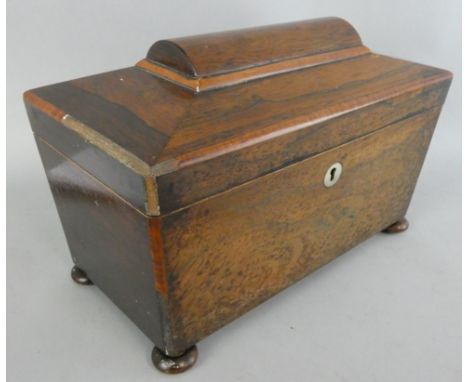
(333, 174)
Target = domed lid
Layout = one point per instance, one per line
(216, 60)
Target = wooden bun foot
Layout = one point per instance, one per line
(174, 365)
(79, 276)
(397, 227)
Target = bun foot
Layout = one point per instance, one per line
(174, 365)
(79, 276)
(397, 227)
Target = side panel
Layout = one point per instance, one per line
(229, 253)
(107, 238)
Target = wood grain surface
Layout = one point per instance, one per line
(207, 178)
(211, 61)
(189, 209)
(170, 133)
(108, 239)
(216, 53)
(229, 253)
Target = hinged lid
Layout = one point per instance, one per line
(204, 114)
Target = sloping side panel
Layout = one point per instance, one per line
(108, 239)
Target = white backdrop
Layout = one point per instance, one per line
(388, 311)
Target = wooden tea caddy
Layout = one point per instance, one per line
(225, 167)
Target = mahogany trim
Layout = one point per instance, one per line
(157, 255)
(46, 107)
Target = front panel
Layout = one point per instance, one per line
(228, 253)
